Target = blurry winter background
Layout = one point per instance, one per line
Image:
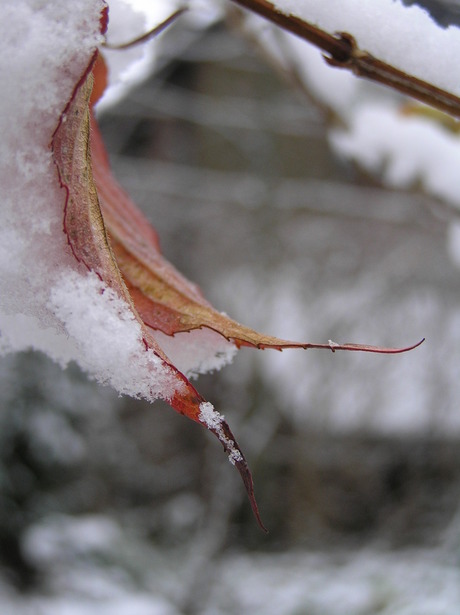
(111, 505)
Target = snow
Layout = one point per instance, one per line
(213, 420)
(83, 577)
(60, 537)
(415, 582)
(405, 37)
(404, 150)
(38, 78)
(114, 352)
(128, 66)
(48, 302)
(198, 351)
(130, 19)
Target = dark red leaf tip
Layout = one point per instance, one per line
(216, 423)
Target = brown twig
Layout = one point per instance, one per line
(150, 34)
(343, 52)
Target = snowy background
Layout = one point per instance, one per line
(115, 506)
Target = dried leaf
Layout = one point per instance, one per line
(88, 240)
(111, 237)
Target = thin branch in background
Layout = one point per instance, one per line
(150, 34)
(343, 52)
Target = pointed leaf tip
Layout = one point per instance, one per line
(216, 423)
(363, 347)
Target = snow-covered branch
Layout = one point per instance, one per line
(343, 52)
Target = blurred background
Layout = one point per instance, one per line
(123, 507)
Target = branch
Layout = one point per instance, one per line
(343, 52)
(148, 35)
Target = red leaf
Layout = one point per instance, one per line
(87, 237)
(111, 237)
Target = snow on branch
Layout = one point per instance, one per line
(341, 47)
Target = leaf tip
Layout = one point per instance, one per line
(216, 423)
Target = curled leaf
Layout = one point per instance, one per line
(111, 237)
(87, 236)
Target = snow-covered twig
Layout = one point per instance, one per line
(343, 52)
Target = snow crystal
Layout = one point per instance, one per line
(213, 421)
(210, 416)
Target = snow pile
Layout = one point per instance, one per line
(47, 301)
(114, 350)
(45, 49)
